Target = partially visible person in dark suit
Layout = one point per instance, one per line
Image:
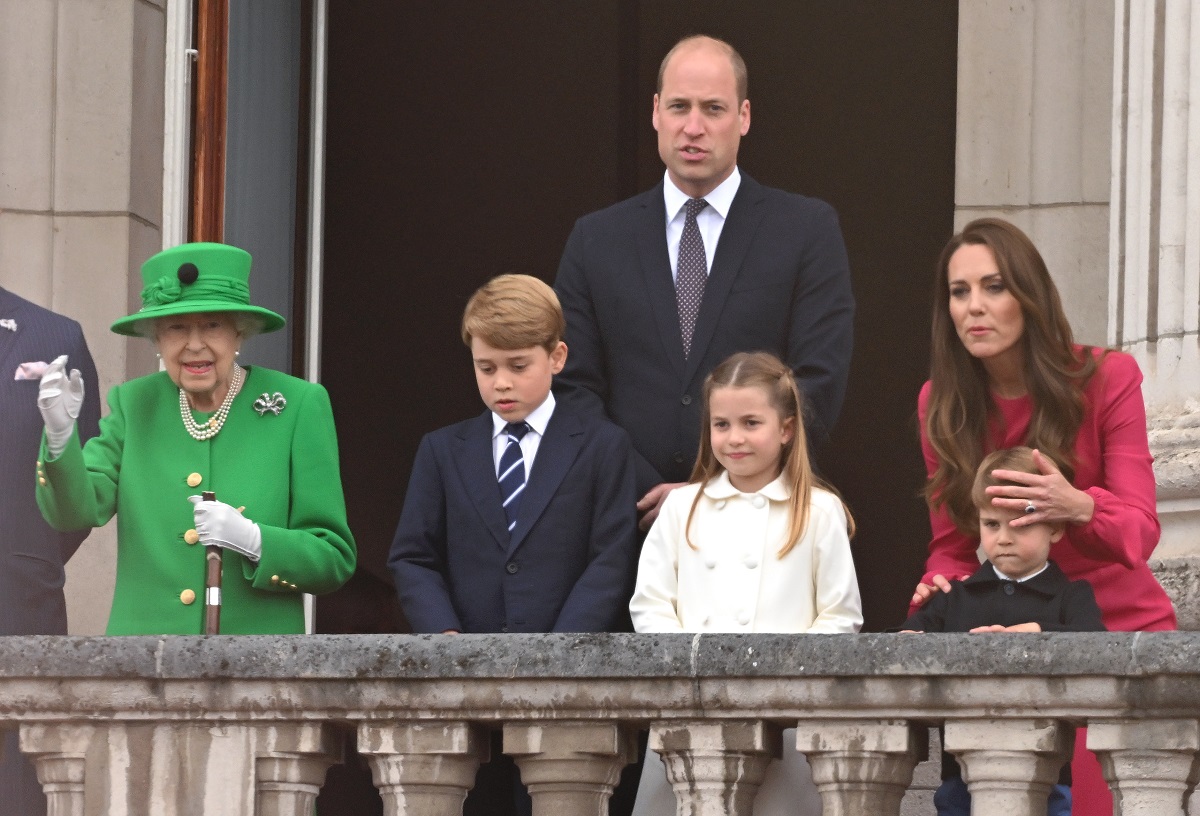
(32, 554)
(522, 518)
(660, 288)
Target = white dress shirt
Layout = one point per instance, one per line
(537, 420)
(710, 221)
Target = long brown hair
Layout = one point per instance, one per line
(960, 402)
(762, 370)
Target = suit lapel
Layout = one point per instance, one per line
(476, 466)
(656, 270)
(736, 237)
(556, 453)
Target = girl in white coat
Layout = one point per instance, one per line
(754, 543)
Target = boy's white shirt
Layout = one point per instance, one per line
(734, 580)
(538, 420)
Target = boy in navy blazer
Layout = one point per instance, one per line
(522, 519)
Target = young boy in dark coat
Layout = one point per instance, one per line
(1018, 589)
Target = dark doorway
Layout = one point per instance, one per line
(464, 140)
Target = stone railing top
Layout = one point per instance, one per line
(599, 677)
(599, 656)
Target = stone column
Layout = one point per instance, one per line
(1010, 765)
(861, 766)
(1151, 765)
(423, 769)
(570, 768)
(290, 769)
(715, 767)
(59, 753)
(1154, 262)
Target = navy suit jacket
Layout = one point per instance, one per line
(567, 564)
(780, 282)
(32, 554)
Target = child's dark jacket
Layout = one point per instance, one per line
(1050, 599)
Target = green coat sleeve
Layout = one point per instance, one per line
(80, 488)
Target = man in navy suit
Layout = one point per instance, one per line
(521, 519)
(32, 554)
(773, 276)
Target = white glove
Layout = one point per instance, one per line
(59, 400)
(220, 525)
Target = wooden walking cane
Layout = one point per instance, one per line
(212, 582)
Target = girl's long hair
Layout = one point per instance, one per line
(960, 405)
(762, 370)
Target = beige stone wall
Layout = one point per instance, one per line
(81, 133)
(1034, 123)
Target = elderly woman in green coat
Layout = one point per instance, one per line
(263, 442)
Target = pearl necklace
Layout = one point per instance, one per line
(213, 427)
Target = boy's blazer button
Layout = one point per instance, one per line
(678, 457)
(191, 537)
(686, 399)
(511, 568)
(187, 597)
(194, 479)
(1009, 589)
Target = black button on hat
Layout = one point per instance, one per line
(188, 273)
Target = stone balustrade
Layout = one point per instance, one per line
(249, 725)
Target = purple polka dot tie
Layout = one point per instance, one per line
(691, 274)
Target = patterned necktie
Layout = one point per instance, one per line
(512, 471)
(692, 273)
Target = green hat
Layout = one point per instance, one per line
(195, 278)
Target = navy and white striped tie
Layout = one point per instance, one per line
(512, 472)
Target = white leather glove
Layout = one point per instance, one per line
(59, 400)
(220, 525)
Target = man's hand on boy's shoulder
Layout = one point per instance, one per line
(1020, 627)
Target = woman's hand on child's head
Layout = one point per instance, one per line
(1047, 498)
(1020, 627)
(926, 591)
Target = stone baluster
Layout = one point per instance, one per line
(570, 768)
(861, 766)
(1010, 765)
(290, 771)
(423, 769)
(1151, 765)
(59, 752)
(715, 767)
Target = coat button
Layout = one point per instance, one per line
(194, 479)
(1009, 589)
(686, 399)
(711, 563)
(720, 504)
(750, 563)
(275, 579)
(678, 457)
(511, 568)
(187, 597)
(743, 618)
(41, 480)
(759, 502)
(191, 537)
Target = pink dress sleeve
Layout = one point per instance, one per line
(951, 553)
(1124, 528)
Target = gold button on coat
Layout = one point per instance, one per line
(188, 597)
(194, 479)
(191, 536)
(274, 579)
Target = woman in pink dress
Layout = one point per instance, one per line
(1006, 371)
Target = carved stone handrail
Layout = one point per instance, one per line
(105, 718)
